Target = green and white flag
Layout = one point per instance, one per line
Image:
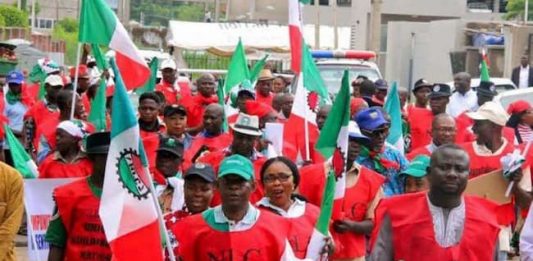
(256, 69)
(127, 210)
(393, 108)
(21, 159)
(238, 69)
(333, 145)
(100, 25)
(151, 83)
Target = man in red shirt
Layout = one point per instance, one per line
(174, 91)
(421, 90)
(443, 131)
(420, 119)
(381, 92)
(175, 118)
(443, 223)
(42, 110)
(206, 85)
(212, 138)
(67, 161)
(244, 94)
(263, 87)
(149, 125)
(246, 134)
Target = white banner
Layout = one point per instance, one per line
(39, 206)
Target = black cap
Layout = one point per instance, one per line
(98, 143)
(487, 88)
(421, 83)
(174, 109)
(381, 84)
(201, 170)
(440, 90)
(171, 145)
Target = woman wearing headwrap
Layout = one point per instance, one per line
(68, 160)
(521, 120)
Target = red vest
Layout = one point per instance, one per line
(265, 240)
(51, 168)
(195, 109)
(356, 202)
(420, 123)
(39, 113)
(419, 151)
(264, 99)
(413, 235)
(213, 143)
(301, 229)
(78, 208)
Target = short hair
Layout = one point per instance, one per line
(288, 163)
(439, 117)
(149, 95)
(64, 97)
(444, 147)
(367, 88)
(161, 96)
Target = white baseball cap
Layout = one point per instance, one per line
(54, 80)
(168, 63)
(490, 111)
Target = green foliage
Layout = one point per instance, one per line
(13, 17)
(2, 21)
(67, 30)
(159, 12)
(515, 10)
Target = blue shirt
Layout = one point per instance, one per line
(394, 185)
(15, 114)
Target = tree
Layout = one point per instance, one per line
(67, 30)
(515, 10)
(13, 17)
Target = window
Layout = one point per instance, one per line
(43, 23)
(347, 3)
(321, 2)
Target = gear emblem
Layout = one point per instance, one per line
(132, 174)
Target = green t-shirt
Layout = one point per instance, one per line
(56, 234)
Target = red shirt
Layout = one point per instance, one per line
(86, 103)
(195, 109)
(55, 167)
(212, 143)
(264, 99)
(40, 113)
(419, 151)
(174, 95)
(420, 120)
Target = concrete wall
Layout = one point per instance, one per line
(433, 43)
(452, 8)
(516, 44)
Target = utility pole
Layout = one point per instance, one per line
(33, 16)
(335, 27)
(317, 25)
(375, 16)
(526, 11)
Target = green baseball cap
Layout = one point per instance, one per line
(418, 167)
(237, 165)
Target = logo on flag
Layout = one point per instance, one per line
(132, 175)
(313, 100)
(338, 162)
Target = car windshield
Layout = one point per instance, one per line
(508, 99)
(332, 75)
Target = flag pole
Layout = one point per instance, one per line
(75, 84)
(160, 216)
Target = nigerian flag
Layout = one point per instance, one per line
(127, 209)
(97, 115)
(21, 159)
(393, 108)
(333, 145)
(484, 70)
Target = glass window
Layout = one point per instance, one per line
(347, 3)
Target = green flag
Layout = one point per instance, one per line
(237, 70)
(149, 86)
(37, 74)
(256, 69)
(220, 95)
(97, 116)
(21, 159)
(99, 57)
(393, 108)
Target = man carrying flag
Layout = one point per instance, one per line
(76, 221)
(175, 91)
(128, 209)
(356, 190)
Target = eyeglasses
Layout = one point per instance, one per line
(376, 133)
(281, 177)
